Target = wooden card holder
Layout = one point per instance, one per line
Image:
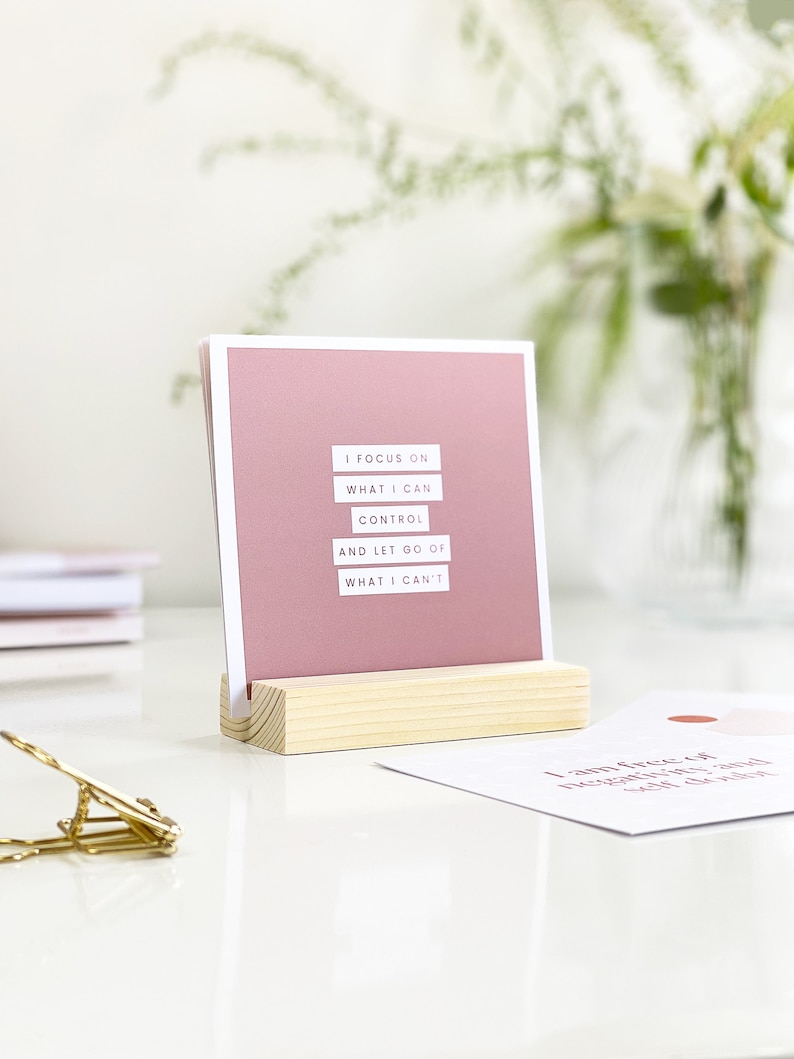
(300, 715)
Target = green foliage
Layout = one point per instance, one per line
(697, 245)
(653, 27)
(352, 110)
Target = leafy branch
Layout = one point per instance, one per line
(699, 245)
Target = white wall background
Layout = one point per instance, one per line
(118, 253)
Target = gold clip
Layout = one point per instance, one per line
(144, 829)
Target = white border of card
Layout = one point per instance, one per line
(213, 355)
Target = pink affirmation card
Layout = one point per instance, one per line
(378, 505)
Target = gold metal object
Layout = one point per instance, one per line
(143, 827)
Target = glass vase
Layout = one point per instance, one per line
(665, 534)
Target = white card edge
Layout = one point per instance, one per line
(539, 525)
(226, 522)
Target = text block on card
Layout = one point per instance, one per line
(383, 488)
(386, 457)
(377, 581)
(411, 518)
(358, 551)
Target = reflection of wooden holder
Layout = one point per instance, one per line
(299, 715)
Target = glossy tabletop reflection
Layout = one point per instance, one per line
(322, 907)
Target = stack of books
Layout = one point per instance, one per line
(56, 598)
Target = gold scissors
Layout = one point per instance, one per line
(142, 827)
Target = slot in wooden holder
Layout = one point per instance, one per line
(300, 715)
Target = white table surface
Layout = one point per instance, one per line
(321, 906)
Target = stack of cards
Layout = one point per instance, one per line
(65, 598)
(378, 505)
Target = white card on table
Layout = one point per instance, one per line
(669, 760)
